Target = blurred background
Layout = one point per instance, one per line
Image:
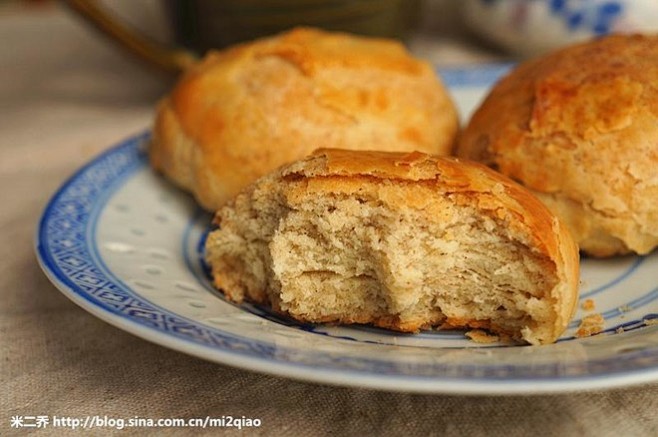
(62, 79)
(447, 32)
(434, 29)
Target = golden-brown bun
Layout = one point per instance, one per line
(401, 241)
(245, 111)
(579, 127)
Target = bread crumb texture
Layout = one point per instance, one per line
(579, 127)
(400, 241)
(590, 325)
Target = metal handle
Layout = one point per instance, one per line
(170, 60)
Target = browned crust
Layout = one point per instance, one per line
(244, 111)
(579, 127)
(328, 169)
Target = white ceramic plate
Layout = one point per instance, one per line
(126, 246)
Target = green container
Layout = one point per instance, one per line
(205, 24)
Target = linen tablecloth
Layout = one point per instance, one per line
(66, 95)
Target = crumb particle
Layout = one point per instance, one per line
(624, 309)
(588, 305)
(651, 322)
(480, 336)
(620, 330)
(590, 325)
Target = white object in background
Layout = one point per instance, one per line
(532, 27)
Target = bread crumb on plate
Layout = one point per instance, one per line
(482, 337)
(590, 325)
(588, 305)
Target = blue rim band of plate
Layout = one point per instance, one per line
(159, 325)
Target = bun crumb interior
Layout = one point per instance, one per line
(400, 241)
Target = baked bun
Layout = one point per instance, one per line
(401, 241)
(245, 111)
(579, 127)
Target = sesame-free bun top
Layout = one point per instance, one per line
(579, 127)
(246, 110)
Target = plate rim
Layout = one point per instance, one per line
(427, 385)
